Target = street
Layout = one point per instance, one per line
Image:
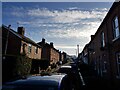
(92, 82)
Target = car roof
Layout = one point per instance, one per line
(54, 80)
(67, 66)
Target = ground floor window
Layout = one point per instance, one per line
(118, 64)
(104, 66)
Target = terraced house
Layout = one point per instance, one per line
(103, 51)
(18, 52)
(15, 43)
(49, 55)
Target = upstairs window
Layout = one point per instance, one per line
(116, 30)
(29, 48)
(36, 50)
(102, 39)
(24, 48)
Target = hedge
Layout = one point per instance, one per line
(15, 66)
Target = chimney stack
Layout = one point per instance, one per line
(43, 40)
(51, 44)
(21, 30)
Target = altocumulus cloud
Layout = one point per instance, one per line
(67, 16)
(69, 24)
(66, 23)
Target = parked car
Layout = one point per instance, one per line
(74, 74)
(65, 69)
(50, 82)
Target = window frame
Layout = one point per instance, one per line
(102, 39)
(36, 50)
(104, 66)
(29, 48)
(115, 26)
(118, 64)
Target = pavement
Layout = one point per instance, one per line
(93, 83)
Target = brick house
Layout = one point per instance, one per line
(85, 54)
(113, 31)
(103, 50)
(49, 54)
(15, 44)
(63, 57)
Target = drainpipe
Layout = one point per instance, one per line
(108, 43)
(6, 45)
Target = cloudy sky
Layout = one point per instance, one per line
(66, 24)
(58, 0)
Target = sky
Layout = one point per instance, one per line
(58, 0)
(66, 24)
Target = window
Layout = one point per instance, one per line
(36, 50)
(95, 65)
(104, 66)
(102, 39)
(24, 48)
(116, 27)
(29, 48)
(118, 64)
(21, 44)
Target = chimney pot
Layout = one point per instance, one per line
(43, 40)
(51, 44)
(21, 30)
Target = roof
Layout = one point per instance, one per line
(52, 80)
(24, 38)
(47, 45)
(66, 66)
(44, 45)
(111, 10)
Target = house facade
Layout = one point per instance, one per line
(54, 55)
(103, 51)
(15, 43)
(49, 53)
(113, 30)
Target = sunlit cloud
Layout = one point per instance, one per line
(72, 25)
(69, 48)
(65, 46)
(78, 23)
(64, 16)
(67, 16)
(69, 24)
(17, 11)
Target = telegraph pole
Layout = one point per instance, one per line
(76, 52)
(78, 49)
